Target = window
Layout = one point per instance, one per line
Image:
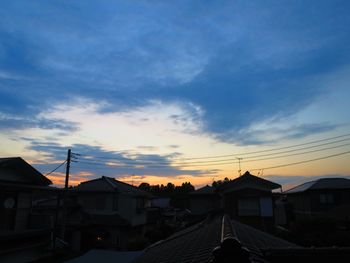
(266, 208)
(140, 204)
(100, 203)
(115, 202)
(248, 207)
(326, 198)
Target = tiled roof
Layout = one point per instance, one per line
(193, 244)
(196, 243)
(31, 175)
(324, 183)
(248, 180)
(255, 239)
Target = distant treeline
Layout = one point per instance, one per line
(178, 194)
(168, 189)
(218, 183)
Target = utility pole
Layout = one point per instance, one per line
(69, 154)
(239, 166)
(66, 183)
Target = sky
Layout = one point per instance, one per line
(146, 91)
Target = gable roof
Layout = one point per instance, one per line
(323, 183)
(22, 172)
(108, 184)
(196, 243)
(247, 180)
(204, 190)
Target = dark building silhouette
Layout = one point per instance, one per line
(247, 198)
(113, 213)
(24, 235)
(322, 198)
(204, 200)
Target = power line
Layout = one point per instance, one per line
(301, 162)
(269, 150)
(169, 165)
(231, 161)
(55, 168)
(237, 154)
(295, 154)
(152, 166)
(296, 150)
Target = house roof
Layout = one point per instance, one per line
(204, 191)
(248, 180)
(323, 183)
(197, 243)
(108, 184)
(23, 172)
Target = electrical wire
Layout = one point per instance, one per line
(301, 162)
(238, 154)
(230, 161)
(296, 154)
(144, 166)
(55, 168)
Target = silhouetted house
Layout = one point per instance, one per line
(325, 198)
(23, 235)
(249, 199)
(115, 213)
(204, 200)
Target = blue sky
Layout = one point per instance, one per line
(247, 74)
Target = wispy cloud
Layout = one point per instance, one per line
(93, 161)
(274, 134)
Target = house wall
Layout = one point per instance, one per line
(128, 206)
(253, 207)
(111, 237)
(23, 209)
(94, 198)
(300, 206)
(98, 202)
(8, 214)
(104, 237)
(335, 203)
(203, 204)
(131, 208)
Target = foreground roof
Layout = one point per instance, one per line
(16, 170)
(197, 243)
(323, 183)
(247, 180)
